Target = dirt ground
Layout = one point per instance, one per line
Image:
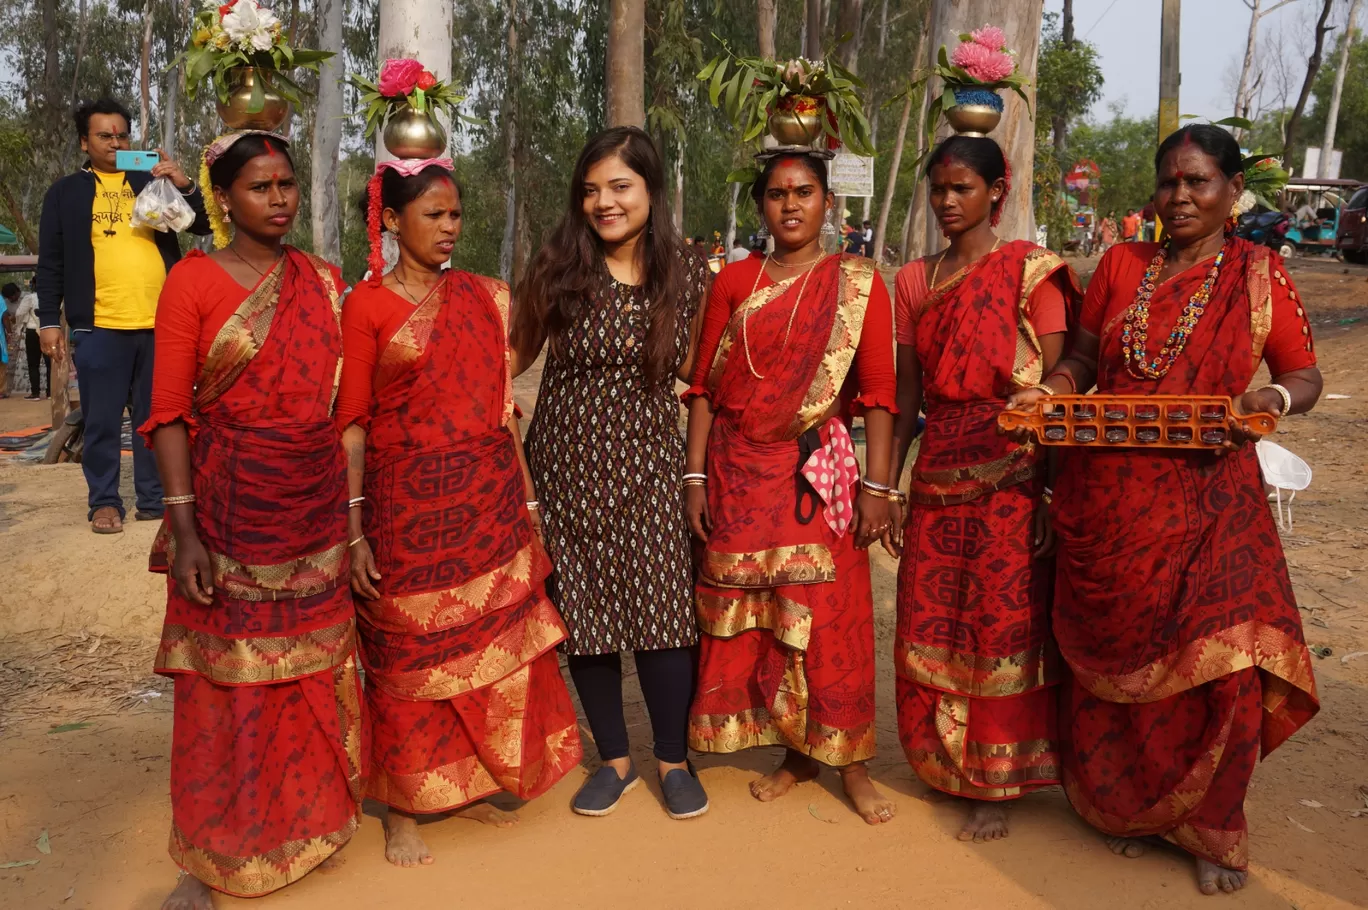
(85, 731)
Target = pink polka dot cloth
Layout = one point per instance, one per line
(833, 472)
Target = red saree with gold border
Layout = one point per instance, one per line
(976, 667)
(268, 737)
(1174, 609)
(785, 607)
(462, 679)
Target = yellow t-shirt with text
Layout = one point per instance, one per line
(129, 270)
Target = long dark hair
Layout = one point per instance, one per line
(568, 268)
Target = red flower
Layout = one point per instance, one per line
(426, 80)
(226, 8)
(399, 77)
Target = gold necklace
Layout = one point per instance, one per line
(794, 265)
(745, 318)
(234, 251)
(946, 252)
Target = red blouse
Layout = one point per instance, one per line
(872, 372)
(373, 313)
(1288, 346)
(1046, 310)
(196, 300)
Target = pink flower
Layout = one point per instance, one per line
(399, 77)
(981, 63)
(990, 36)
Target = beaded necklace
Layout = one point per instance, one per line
(1135, 328)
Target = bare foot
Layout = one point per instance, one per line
(987, 821)
(1129, 847)
(189, 894)
(796, 768)
(487, 814)
(873, 806)
(1212, 878)
(403, 845)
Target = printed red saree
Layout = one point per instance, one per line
(976, 668)
(1173, 607)
(463, 683)
(784, 604)
(266, 749)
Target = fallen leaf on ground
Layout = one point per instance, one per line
(22, 862)
(70, 894)
(1336, 397)
(812, 810)
(67, 728)
(1310, 804)
(1300, 825)
(1348, 657)
(44, 844)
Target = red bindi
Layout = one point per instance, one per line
(1179, 175)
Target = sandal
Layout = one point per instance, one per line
(106, 520)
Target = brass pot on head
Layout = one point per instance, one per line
(414, 134)
(797, 121)
(977, 112)
(236, 112)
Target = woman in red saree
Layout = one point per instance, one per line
(792, 346)
(260, 630)
(976, 667)
(457, 635)
(1173, 607)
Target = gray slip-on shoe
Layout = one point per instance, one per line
(601, 793)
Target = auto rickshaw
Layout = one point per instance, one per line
(1314, 206)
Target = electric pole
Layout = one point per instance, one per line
(1169, 76)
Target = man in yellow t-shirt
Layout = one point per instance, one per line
(106, 275)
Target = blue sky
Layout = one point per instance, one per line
(1126, 34)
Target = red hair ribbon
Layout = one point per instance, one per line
(376, 259)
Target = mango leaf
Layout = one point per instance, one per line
(44, 844)
(1240, 123)
(715, 87)
(707, 71)
(19, 864)
(67, 728)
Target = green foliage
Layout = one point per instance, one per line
(211, 55)
(1123, 148)
(1351, 129)
(441, 98)
(757, 87)
(1068, 79)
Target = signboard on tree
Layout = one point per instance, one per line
(851, 174)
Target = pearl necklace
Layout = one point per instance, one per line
(745, 318)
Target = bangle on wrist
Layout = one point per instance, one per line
(355, 502)
(695, 476)
(352, 543)
(1284, 394)
(1047, 496)
(533, 505)
(874, 486)
(178, 500)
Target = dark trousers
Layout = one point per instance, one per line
(114, 372)
(667, 681)
(34, 349)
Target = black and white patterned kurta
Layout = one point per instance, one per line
(606, 454)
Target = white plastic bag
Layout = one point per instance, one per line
(162, 207)
(1283, 471)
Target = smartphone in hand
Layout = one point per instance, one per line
(135, 160)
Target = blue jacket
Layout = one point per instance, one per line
(66, 257)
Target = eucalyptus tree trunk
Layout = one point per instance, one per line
(145, 79)
(812, 30)
(327, 134)
(1020, 20)
(1332, 112)
(625, 82)
(766, 20)
(729, 237)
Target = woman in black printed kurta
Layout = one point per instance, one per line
(615, 296)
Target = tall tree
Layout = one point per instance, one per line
(1059, 121)
(812, 36)
(881, 227)
(1313, 65)
(1020, 20)
(626, 63)
(766, 19)
(1332, 111)
(506, 247)
(327, 134)
(1243, 91)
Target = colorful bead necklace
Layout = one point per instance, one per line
(1135, 329)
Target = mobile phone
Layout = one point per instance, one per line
(126, 160)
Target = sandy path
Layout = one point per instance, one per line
(101, 791)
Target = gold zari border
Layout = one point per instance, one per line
(303, 576)
(725, 733)
(431, 611)
(975, 676)
(727, 617)
(1250, 644)
(998, 764)
(518, 646)
(853, 286)
(253, 876)
(262, 659)
(801, 564)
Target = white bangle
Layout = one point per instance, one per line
(533, 505)
(1286, 397)
(695, 477)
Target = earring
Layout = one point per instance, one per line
(227, 216)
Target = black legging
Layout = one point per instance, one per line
(35, 351)
(667, 681)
